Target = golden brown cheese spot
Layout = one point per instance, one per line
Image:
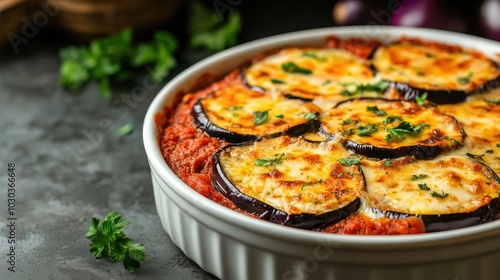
(304, 181)
(446, 185)
(234, 108)
(329, 72)
(350, 120)
(433, 67)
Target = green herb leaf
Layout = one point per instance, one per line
(326, 83)
(269, 161)
(498, 145)
(446, 137)
(305, 185)
(475, 156)
(260, 117)
(349, 161)
(489, 151)
(391, 119)
(493, 101)
(465, 80)
(208, 31)
(310, 116)
(277, 81)
(344, 122)
(315, 56)
(352, 89)
(126, 129)
(439, 195)
(108, 239)
(404, 128)
(421, 99)
(387, 162)
(376, 110)
(423, 187)
(418, 177)
(280, 116)
(234, 108)
(366, 130)
(291, 67)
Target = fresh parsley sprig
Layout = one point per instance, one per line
(403, 128)
(108, 239)
(269, 161)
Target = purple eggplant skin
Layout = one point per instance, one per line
(489, 19)
(428, 13)
(260, 89)
(418, 151)
(436, 223)
(442, 96)
(201, 121)
(266, 212)
(359, 12)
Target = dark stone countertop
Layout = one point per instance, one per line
(71, 164)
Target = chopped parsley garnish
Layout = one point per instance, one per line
(108, 239)
(269, 161)
(418, 177)
(315, 56)
(344, 122)
(498, 145)
(423, 187)
(260, 117)
(235, 114)
(493, 101)
(310, 116)
(340, 174)
(446, 137)
(310, 183)
(291, 67)
(234, 108)
(376, 110)
(280, 116)
(465, 80)
(349, 161)
(439, 195)
(352, 89)
(367, 130)
(404, 128)
(489, 151)
(391, 119)
(421, 99)
(387, 162)
(326, 83)
(277, 81)
(429, 55)
(474, 156)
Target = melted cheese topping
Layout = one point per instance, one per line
(433, 68)
(331, 72)
(233, 109)
(480, 120)
(308, 177)
(447, 185)
(350, 119)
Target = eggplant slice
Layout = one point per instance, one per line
(380, 128)
(290, 181)
(451, 184)
(307, 73)
(448, 74)
(239, 114)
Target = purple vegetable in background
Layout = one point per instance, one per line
(428, 13)
(360, 12)
(489, 17)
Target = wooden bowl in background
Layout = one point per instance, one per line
(11, 17)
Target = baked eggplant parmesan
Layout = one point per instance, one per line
(290, 181)
(448, 74)
(356, 137)
(390, 129)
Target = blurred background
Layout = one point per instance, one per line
(73, 95)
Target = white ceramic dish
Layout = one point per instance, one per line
(233, 246)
